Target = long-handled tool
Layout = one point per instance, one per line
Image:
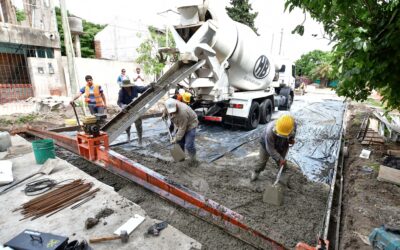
(124, 237)
(273, 194)
(44, 170)
(169, 132)
(76, 114)
(176, 151)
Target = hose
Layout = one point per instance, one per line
(40, 186)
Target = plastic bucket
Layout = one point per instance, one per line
(43, 150)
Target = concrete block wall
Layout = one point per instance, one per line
(46, 77)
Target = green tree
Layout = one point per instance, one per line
(322, 72)
(87, 39)
(367, 50)
(21, 16)
(151, 56)
(310, 61)
(241, 12)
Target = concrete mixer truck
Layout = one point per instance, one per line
(240, 83)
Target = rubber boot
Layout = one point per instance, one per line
(128, 134)
(139, 132)
(254, 175)
(193, 162)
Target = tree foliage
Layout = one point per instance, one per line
(149, 56)
(322, 72)
(21, 16)
(87, 39)
(241, 12)
(310, 61)
(367, 50)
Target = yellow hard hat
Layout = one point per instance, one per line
(284, 125)
(186, 97)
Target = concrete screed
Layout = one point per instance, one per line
(71, 223)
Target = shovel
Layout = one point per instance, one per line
(176, 152)
(273, 194)
(44, 170)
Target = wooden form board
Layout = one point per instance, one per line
(394, 152)
(387, 174)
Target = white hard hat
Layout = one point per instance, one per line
(181, 91)
(170, 104)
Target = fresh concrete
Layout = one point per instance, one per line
(71, 223)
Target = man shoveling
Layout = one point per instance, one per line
(185, 121)
(275, 141)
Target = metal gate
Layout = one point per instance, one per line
(15, 83)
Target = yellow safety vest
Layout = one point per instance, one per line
(96, 93)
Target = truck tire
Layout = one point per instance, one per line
(265, 111)
(286, 92)
(254, 116)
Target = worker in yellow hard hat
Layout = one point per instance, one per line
(187, 98)
(275, 141)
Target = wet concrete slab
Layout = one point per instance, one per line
(319, 119)
(71, 223)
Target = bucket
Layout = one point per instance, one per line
(5, 141)
(43, 150)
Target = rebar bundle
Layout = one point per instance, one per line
(56, 200)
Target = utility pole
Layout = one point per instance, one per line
(280, 44)
(69, 48)
(272, 42)
(1, 15)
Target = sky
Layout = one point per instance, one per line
(271, 20)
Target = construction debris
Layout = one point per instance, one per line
(365, 154)
(49, 103)
(389, 174)
(392, 127)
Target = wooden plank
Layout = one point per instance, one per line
(393, 152)
(387, 123)
(387, 174)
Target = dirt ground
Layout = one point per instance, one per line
(367, 203)
(47, 119)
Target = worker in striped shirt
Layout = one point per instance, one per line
(94, 96)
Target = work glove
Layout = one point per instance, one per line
(123, 108)
(173, 140)
(282, 163)
(291, 141)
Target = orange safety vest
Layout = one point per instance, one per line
(96, 93)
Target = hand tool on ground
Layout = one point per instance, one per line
(176, 152)
(156, 228)
(273, 194)
(123, 236)
(44, 170)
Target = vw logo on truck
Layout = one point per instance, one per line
(261, 68)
